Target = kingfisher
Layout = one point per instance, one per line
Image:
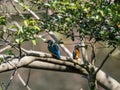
(76, 52)
(53, 49)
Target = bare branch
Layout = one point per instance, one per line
(13, 63)
(106, 81)
(47, 57)
(52, 67)
(27, 9)
(57, 65)
(5, 48)
(28, 59)
(28, 78)
(11, 78)
(92, 55)
(23, 82)
(17, 9)
(84, 54)
(105, 59)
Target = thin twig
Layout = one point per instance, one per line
(105, 59)
(21, 4)
(23, 82)
(19, 76)
(5, 48)
(28, 78)
(11, 78)
(17, 9)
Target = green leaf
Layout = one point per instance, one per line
(34, 41)
(26, 23)
(19, 40)
(21, 1)
(2, 20)
(102, 13)
(9, 52)
(1, 60)
(68, 19)
(47, 4)
(20, 31)
(72, 6)
(118, 26)
(37, 28)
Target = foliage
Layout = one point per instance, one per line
(30, 30)
(9, 52)
(96, 18)
(20, 34)
(2, 20)
(1, 60)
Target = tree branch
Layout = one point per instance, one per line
(93, 55)
(39, 56)
(106, 81)
(84, 54)
(52, 67)
(23, 82)
(64, 65)
(22, 5)
(5, 48)
(18, 11)
(105, 59)
(11, 65)
(28, 78)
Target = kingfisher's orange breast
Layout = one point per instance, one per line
(77, 54)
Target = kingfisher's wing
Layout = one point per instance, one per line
(58, 54)
(54, 49)
(73, 54)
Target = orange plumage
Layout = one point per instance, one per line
(76, 52)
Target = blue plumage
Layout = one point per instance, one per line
(54, 49)
(73, 55)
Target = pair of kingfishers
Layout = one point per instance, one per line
(55, 51)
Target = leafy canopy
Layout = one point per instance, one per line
(95, 18)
